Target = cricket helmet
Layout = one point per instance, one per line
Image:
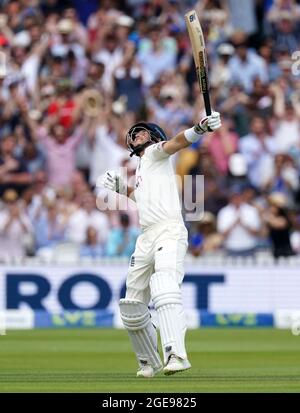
(156, 134)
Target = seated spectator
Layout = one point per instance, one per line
(279, 225)
(240, 225)
(15, 226)
(91, 247)
(121, 241)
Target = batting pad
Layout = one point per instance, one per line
(166, 297)
(137, 320)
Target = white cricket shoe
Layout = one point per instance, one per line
(147, 371)
(175, 365)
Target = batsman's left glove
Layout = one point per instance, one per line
(113, 181)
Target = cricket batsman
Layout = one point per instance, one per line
(156, 268)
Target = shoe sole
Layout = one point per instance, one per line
(149, 377)
(171, 372)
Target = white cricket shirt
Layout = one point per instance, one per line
(156, 191)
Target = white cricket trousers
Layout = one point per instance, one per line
(161, 247)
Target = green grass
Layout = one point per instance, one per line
(101, 360)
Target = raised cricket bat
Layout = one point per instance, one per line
(199, 53)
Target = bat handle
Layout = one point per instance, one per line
(207, 104)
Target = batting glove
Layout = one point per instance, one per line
(209, 123)
(113, 181)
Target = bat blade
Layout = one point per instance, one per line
(199, 54)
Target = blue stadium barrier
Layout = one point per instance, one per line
(105, 318)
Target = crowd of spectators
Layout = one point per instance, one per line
(74, 76)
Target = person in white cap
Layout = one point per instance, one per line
(156, 268)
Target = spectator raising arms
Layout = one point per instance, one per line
(60, 148)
